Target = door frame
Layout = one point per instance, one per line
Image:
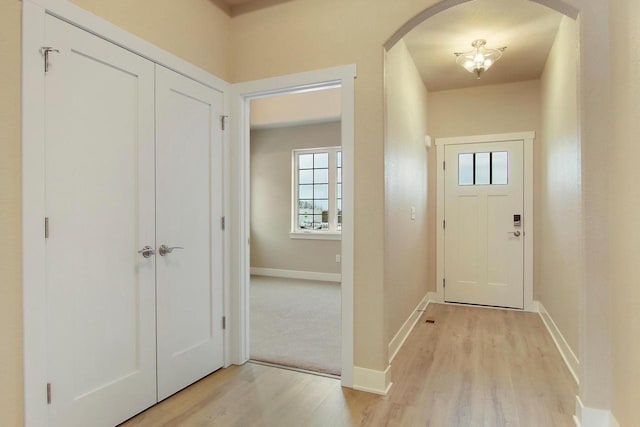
(34, 350)
(527, 138)
(242, 94)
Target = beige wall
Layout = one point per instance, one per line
(307, 35)
(318, 105)
(557, 239)
(10, 223)
(195, 30)
(510, 107)
(406, 240)
(271, 246)
(624, 204)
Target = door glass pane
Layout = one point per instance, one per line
(499, 168)
(465, 169)
(339, 159)
(482, 169)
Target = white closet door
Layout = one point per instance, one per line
(100, 204)
(189, 210)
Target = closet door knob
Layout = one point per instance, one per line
(147, 251)
(164, 249)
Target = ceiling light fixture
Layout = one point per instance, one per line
(479, 59)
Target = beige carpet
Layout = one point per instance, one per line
(296, 323)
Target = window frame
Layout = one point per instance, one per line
(332, 233)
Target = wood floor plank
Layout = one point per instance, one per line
(472, 367)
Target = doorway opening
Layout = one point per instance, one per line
(339, 83)
(296, 226)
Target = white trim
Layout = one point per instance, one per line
(403, 333)
(102, 28)
(563, 347)
(481, 139)
(593, 417)
(439, 222)
(306, 122)
(372, 381)
(317, 235)
(33, 178)
(295, 274)
(33, 211)
(527, 138)
(240, 228)
(532, 309)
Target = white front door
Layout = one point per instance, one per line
(483, 240)
(100, 196)
(189, 212)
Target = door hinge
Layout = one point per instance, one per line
(444, 282)
(222, 222)
(223, 122)
(444, 223)
(46, 227)
(45, 50)
(48, 393)
(444, 165)
(224, 322)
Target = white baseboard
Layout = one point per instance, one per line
(398, 340)
(592, 417)
(293, 274)
(372, 381)
(567, 354)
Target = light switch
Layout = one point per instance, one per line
(413, 213)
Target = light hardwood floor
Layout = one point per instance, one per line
(472, 367)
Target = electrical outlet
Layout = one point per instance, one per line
(413, 213)
(338, 258)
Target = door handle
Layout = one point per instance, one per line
(164, 249)
(515, 233)
(147, 251)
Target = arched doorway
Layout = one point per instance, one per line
(590, 196)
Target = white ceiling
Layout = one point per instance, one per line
(232, 3)
(526, 28)
(237, 7)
